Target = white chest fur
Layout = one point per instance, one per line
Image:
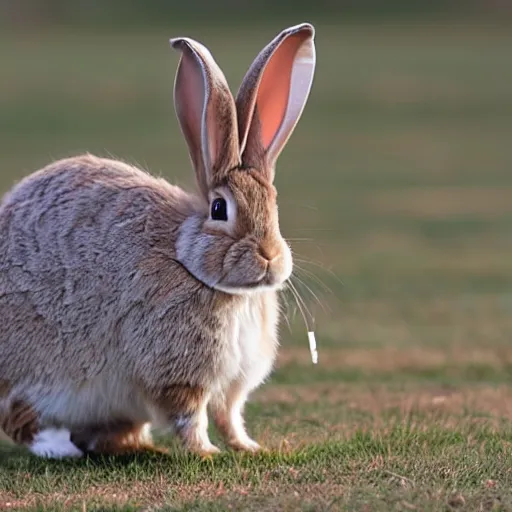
(256, 338)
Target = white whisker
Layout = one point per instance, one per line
(311, 275)
(313, 294)
(310, 262)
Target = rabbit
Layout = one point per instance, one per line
(130, 304)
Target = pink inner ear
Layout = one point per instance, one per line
(191, 93)
(274, 89)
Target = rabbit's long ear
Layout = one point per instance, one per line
(273, 95)
(206, 111)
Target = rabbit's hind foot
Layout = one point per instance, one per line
(125, 439)
(21, 423)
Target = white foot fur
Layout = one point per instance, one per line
(234, 429)
(245, 444)
(206, 450)
(54, 443)
(194, 433)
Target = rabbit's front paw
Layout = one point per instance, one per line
(194, 434)
(206, 451)
(245, 445)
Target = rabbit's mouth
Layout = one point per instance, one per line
(250, 288)
(271, 277)
(267, 281)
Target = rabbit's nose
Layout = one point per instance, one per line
(268, 251)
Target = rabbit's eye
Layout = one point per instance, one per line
(219, 209)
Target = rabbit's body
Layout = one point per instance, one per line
(127, 302)
(98, 264)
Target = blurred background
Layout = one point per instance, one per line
(395, 189)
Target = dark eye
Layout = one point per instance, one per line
(219, 209)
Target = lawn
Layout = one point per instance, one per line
(396, 194)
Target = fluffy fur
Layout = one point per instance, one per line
(124, 303)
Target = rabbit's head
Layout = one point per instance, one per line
(233, 242)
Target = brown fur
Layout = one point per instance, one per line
(4, 388)
(256, 199)
(116, 438)
(126, 443)
(180, 400)
(20, 422)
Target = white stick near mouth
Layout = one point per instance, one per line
(312, 347)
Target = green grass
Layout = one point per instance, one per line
(395, 191)
(405, 463)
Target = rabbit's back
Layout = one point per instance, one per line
(75, 241)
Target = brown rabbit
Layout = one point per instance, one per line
(128, 303)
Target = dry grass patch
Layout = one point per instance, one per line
(167, 494)
(495, 401)
(395, 359)
(108, 495)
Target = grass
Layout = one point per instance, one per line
(395, 192)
